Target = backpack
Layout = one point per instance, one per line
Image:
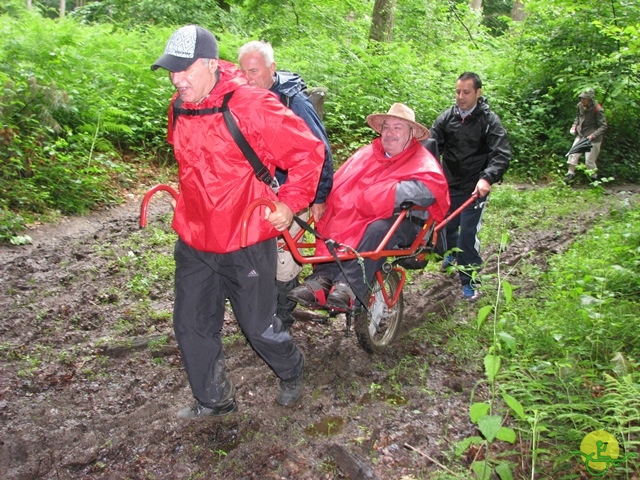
(316, 95)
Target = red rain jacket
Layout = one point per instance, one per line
(364, 191)
(217, 182)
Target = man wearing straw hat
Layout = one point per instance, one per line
(367, 191)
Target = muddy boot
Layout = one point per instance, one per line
(222, 388)
(312, 292)
(290, 390)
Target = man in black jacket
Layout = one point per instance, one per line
(475, 154)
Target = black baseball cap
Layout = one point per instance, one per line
(185, 46)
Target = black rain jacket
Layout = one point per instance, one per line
(290, 89)
(474, 148)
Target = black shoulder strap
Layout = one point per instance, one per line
(262, 173)
(285, 100)
(178, 110)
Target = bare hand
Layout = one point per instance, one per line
(281, 218)
(482, 188)
(317, 210)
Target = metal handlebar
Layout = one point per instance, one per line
(246, 215)
(147, 197)
(457, 212)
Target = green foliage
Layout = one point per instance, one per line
(563, 362)
(563, 47)
(153, 265)
(63, 135)
(486, 415)
(574, 367)
(129, 13)
(79, 91)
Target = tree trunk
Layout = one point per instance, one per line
(382, 21)
(63, 7)
(476, 5)
(29, 4)
(517, 12)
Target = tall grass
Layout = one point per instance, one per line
(568, 343)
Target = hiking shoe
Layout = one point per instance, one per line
(593, 177)
(311, 293)
(290, 390)
(470, 293)
(448, 261)
(198, 410)
(341, 297)
(569, 178)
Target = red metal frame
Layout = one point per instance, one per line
(144, 208)
(295, 244)
(385, 294)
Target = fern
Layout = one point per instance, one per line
(622, 407)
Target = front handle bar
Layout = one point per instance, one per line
(457, 212)
(246, 215)
(147, 197)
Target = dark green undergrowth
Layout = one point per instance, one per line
(575, 367)
(81, 113)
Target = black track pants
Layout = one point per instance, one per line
(203, 282)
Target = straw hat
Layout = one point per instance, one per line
(401, 111)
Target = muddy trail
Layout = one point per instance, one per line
(90, 385)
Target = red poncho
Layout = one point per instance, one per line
(364, 190)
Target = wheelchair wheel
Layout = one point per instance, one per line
(377, 328)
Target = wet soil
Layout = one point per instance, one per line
(90, 386)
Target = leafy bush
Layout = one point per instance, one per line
(74, 91)
(579, 330)
(63, 133)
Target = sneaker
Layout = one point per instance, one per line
(198, 410)
(593, 177)
(569, 178)
(448, 261)
(290, 390)
(470, 293)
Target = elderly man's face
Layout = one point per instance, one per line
(395, 135)
(258, 73)
(197, 81)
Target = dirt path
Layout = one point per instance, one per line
(89, 386)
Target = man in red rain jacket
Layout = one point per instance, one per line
(217, 183)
